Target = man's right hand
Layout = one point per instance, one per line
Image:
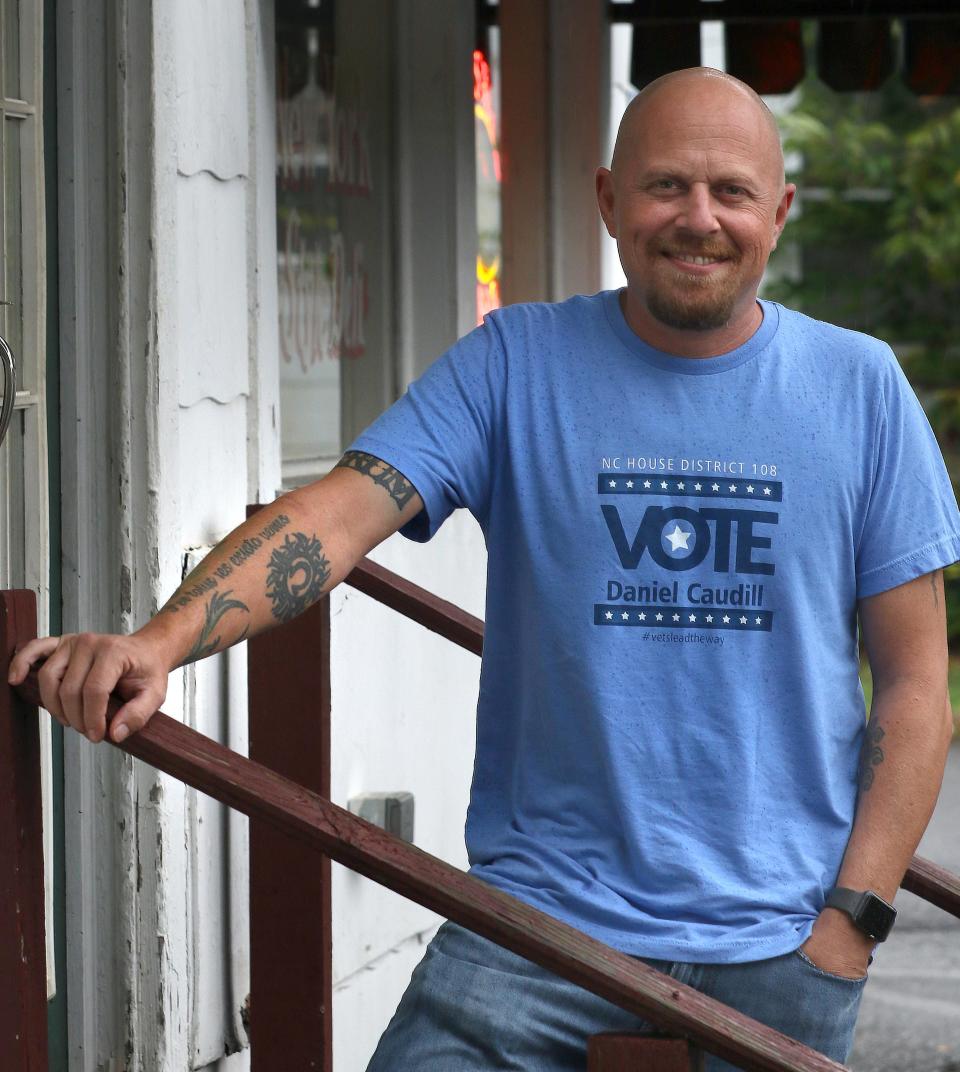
(79, 671)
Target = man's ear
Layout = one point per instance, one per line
(780, 220)
(605, 200)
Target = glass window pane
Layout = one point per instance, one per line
(12, 311)
(311, 253)
(11, 47)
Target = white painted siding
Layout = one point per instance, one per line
(404, 717)
(207, 289)
(174, 414)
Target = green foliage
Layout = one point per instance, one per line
(878, 235)
(879, 226)
(925, 218)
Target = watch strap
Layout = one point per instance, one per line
(846, 900)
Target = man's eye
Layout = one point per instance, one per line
(732, 190)
(665, 184)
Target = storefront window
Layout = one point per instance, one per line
(334, 226)
(310, 256)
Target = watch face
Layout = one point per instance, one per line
(875, 916)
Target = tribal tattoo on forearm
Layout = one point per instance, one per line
(205, 578)
(871, 755)
(206, 644)
(399, 488)
(296, 575)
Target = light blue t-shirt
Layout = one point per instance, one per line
(670, 712)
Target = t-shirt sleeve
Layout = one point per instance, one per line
(911, 525)
(440, 433)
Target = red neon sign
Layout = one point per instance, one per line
(489, 174)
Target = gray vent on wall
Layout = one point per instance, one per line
(392, 811)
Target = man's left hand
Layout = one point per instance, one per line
(836, 946)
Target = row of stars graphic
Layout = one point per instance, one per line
(676, 617)
(681, 486)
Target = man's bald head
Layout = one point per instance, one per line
(696, 201)
(678, 85)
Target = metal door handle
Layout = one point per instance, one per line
(9, 367)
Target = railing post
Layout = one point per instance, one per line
(291, 993)
(23, 974)
(638, 1053)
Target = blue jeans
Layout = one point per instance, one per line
(474, 1007)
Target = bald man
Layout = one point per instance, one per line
(689, 496)
(697, 493)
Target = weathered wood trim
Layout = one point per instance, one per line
(617, 1053)
(96, 177)
(627, 982)
(416, 603)
(578, 53)
(291, 958)
(552, 140)
(525, 150)
(23, 991)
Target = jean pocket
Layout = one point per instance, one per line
(805, 960)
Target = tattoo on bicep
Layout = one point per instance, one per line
(206, 644)
(871, 755)
(936, 594)
(399, 488)
(296, 574)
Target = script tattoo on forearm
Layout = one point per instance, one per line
(203, 579)
(400, 489)
(871, 755)
(206, 643)
(297, 572)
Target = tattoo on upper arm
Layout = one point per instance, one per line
(399, 488)
(871, 755)
(297, 572)
(206, 644)
(936, 595)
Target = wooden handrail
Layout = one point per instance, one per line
(934, 884)
(418, 604)
(23, 976)
(262, 794)
(927, 880)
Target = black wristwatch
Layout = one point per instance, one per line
(870, 913)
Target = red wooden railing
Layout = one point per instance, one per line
(300, 815)
(23, 970)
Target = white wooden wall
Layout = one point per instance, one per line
(404, 717)
(168, 336)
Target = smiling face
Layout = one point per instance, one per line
(696, 201)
